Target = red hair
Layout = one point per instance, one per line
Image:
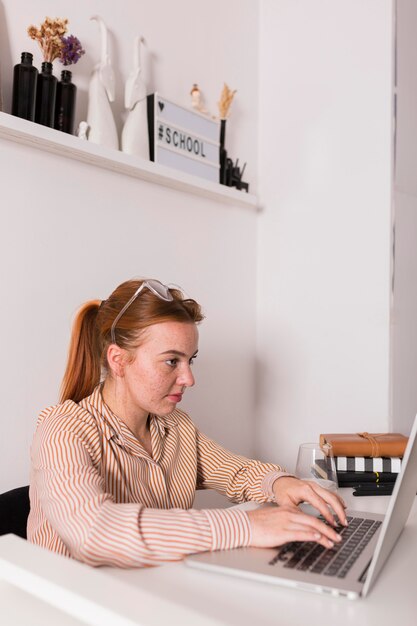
(90, 336)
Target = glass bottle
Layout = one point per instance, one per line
(24, 88)
(45, 96)
(65, 103)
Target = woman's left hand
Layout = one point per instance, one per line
(292, 491)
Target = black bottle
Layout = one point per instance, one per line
(24, 88)
(65, 103)
(45, 96)
(222, 153)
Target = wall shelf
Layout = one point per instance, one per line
(40, 137)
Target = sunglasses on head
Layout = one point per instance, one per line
(158, 289)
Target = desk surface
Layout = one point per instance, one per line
(32, 581)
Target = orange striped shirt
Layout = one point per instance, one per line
(98, 496)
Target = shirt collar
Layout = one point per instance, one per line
(164, 422)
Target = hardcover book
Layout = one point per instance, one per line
(368, 464)
(365, 444)
(354, 478)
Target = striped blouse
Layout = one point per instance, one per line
(98, 496)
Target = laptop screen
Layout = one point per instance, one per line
(398, 510)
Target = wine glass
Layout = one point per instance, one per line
(317, 463)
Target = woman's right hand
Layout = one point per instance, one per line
(274, 526)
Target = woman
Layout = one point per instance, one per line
(115, 465)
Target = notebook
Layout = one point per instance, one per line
(350, 568)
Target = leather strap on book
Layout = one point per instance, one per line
(374, 444)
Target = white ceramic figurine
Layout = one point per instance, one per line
(135, 131)
(102, 127)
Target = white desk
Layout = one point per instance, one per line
(176, 594)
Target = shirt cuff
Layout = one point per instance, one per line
(230, 528)
(268, 483)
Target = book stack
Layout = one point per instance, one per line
(364, 458)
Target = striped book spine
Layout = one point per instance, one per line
(368, 464)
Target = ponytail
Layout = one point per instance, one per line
(83, 369)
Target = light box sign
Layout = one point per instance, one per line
(183, 139)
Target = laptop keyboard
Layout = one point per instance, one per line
(336, 561)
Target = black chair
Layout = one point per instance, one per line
(14, 511)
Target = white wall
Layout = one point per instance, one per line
(71, 232)
(324, 234)
(404, 318)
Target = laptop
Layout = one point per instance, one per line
(350, 568)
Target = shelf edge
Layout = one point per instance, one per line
(50, 140)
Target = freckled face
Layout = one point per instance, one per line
(161, 369)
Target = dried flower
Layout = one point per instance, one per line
(34, 33)
(71, 51)
(49, 37)
(226, 98)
